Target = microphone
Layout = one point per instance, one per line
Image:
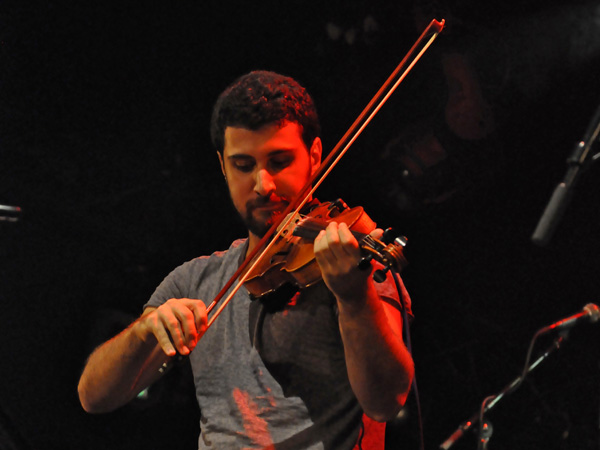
(579, 161)
(589, 312)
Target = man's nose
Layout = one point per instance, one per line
(265, 185)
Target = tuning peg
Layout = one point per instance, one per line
(339, 204)
(365, 262)
(388, 236)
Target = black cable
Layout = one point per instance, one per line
(408, 343)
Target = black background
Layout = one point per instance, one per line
(104, 144)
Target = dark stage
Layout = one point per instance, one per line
(104, 144)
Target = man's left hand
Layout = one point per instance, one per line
(337, 252)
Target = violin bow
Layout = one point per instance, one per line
(369, 112)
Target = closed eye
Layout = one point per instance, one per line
(244, 166)
(242, 163)
(281, 162)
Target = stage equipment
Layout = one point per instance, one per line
(10, 213)
(578, 162)
(590, 312)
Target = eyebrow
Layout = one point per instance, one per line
(277, 152)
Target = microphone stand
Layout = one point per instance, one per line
(578, 162)
(485, 429)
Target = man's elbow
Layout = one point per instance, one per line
(388, 411)
(90, 404)
(87, 403)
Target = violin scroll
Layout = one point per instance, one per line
(388, 251)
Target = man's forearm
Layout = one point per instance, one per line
(118, 370)
(380, 367)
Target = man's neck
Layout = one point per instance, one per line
(253, 241)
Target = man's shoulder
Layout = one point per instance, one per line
(216, 258)
(198, 277)
(234, 249)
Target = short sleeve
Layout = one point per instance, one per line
(388, 292)
(175, 285)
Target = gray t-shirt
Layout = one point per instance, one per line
(270, 373)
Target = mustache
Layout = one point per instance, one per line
(265, 201)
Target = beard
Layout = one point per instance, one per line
(258, 220)
(258, 226)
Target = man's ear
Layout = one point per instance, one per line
(221, 162)
(315, 153)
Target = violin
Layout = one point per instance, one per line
(291, 259)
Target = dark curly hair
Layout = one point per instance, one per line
(260, 98)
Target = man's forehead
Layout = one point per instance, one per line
(271, 127)
(269, 138)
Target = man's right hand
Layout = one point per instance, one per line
(177, 325)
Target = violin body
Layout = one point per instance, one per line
(292, 260)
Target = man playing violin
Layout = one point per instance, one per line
(321, 367)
